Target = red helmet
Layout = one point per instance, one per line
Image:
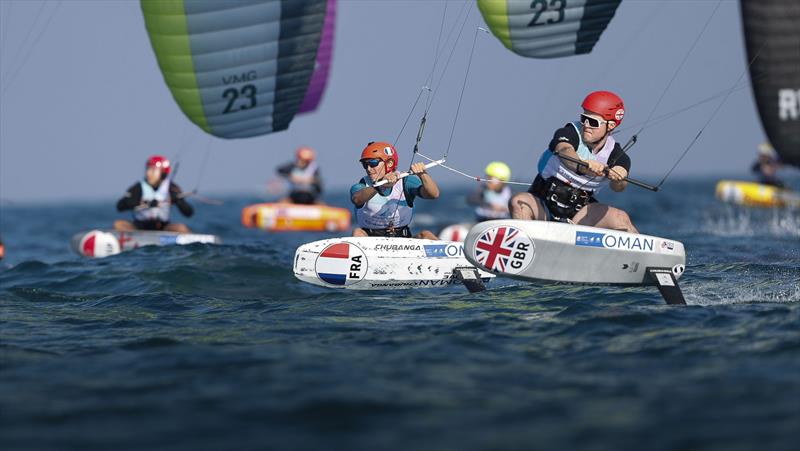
(606, 104)
(305, 154)
(383, 151)
(160, 162)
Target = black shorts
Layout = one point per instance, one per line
(150, 225)
(400, 232)
(302, 197)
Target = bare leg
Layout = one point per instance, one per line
(427, 235)
(124, 226)
(358, 231)
(525, 206)
(177, 227)
(601, 215)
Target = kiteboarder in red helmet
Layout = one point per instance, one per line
(150, 200)
(387, 210)
(304, 177)
(563, 190)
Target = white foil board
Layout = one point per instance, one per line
(377, 263)
(555, 251)
(102, 243)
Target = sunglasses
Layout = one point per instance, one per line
(371, 163)
(591, 121)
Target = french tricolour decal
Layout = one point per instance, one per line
(504, 249)
(341, 264)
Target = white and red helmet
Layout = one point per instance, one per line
(606, 104)
(159, 161)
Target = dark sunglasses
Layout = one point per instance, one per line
(591, 121)
(372, 163)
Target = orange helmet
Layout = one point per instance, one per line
(305, 154)
(382, 151)
(606, 104)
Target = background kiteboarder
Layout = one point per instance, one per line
(151, 199)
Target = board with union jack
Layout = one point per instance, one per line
(504, 249)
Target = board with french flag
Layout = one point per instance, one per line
(341, 264)
(376, 263)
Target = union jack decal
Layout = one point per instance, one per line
(498, 248)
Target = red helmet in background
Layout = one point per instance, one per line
(158, 161)
(382, 151)
(305, 154)
(606, 104)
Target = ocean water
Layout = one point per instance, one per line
(220, 347)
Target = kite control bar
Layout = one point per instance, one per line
(627, 179)
(407, 173)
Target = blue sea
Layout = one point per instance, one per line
(220, 348)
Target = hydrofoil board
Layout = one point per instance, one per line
(377, 263)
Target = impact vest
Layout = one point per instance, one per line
(159, 213)
(306, 173)
(491, 198)
(383, 212)
(552, 166)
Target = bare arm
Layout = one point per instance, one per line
(616, 176)
(429, 188)
(363, 196)
(566, 149)
(591, 167)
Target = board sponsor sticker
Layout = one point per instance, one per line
(665, 280)
(341, 264)
(167, 240)
(504, 249)
(668, 246)
(590, 239)
(444, 250)
(397, 247)
(614, 241)
(189, 238)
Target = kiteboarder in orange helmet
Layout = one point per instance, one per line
(387, 210)
(563, 190)
(151, 199)
(303, 176)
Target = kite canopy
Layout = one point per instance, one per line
(548, 28)
(237, 68)
(323, 66)
(772, 35)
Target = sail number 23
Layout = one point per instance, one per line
(248, 94)
(553, 11)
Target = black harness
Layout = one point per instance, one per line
(394, 232)
(562, 200)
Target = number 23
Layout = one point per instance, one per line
(540, 6)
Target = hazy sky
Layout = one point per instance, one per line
(83, 107)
